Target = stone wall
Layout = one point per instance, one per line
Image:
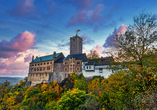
(58, 76)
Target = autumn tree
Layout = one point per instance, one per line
(4, 89)
(138, 40)
(93, 55)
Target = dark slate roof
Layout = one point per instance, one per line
(60, 60)
(100, 64)
(90, 63)
(44, 58)
(77, 56)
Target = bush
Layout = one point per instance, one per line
(72, 100)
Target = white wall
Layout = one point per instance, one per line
(105, 72)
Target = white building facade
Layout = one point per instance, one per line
(90, 69)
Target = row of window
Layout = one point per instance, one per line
(38, 75)
(72, 63)
(66, 69)
(40, 69)
(40, 64)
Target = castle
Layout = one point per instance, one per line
(57, 67)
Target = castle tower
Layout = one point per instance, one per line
(76, 44)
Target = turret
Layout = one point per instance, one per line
(54, 56)
(32, 58)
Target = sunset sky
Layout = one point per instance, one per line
(39, 27)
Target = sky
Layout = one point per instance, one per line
(40, 27)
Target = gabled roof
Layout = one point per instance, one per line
(44, 58)
(60, 60)
(90, 63)
(77, 56)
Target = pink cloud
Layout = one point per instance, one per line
(23, 8)
(110, 39)
(98, 49)
(18, 65)
(20, 43)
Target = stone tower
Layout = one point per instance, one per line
(76, 44)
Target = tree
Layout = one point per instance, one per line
(93, 55)
(72, 100)
(138, 40)
(4, 89)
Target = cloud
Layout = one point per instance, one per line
(28, 58)
(18, 65)
(85, 15)
(23, 8)
(64, 43)
(98, 49)
(109, 41)
(20, 43)
(106, 19)
(86, 39)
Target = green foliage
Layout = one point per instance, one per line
(72, 100)
(50, 105)
(4, 89)
(31, 91)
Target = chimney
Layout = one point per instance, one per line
(32, 58)
(54, 55)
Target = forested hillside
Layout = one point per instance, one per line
(126, 89)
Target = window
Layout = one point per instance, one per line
(34, 69)
(38, 64)
(48, 68)
(73, 45)
(78, 63)
(40, 69)
(89, 67)
(44, 63)
(72, 63)
(50, 62)
(78, 69)
(66, 63)
(70, 69)
(43, 68)
(35, 64)
(65, 69)
(100, 70)
(37, 69)
(73, 40)
(58, 65)
(47, 62)
(41, 64)
(32, 64)
(80, 42)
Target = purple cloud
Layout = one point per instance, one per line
(106, 19)
(110, 39)
(23, 8)
(20, 43)
(86, 39)
(85, 15)
(28, 58)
